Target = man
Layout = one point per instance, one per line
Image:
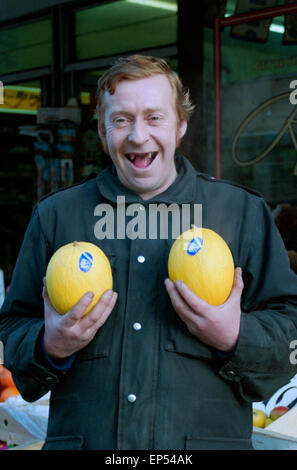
(152, 366)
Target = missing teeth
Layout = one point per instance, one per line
(150, 155)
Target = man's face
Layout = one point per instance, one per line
(141, 133)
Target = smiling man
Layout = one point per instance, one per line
(152, 366)
(141, 134)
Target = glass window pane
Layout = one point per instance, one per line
(26, 46)
(21, 98)
(125, 26)
(259, 146)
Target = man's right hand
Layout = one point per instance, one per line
(68, 333)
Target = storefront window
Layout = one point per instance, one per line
(124, 26)
(17, 170)
(21, 99)
(258, 69)
(25, 46)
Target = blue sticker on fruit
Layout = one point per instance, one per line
(194, 246)
(85, 262)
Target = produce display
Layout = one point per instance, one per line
(7, 385)
(278, 411)
(75, 269)
(262, 420)
(259, 418)
(203, 261)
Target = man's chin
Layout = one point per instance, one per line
(142, 186)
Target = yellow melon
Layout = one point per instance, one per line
(75, 269)
(203, 261)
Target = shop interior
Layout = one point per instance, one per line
(52, 59)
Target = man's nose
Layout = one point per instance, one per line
(139, 133)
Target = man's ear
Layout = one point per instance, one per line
(101, 129)
(182, 129)
(101, 133)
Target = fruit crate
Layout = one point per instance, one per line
(23, 424)
(31, 445)
(263, 439)
(281, 434)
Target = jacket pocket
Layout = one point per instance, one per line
(100, 345)
(179, 340)
(64, 443)
(217, 443)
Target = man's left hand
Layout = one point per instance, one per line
(216, 326)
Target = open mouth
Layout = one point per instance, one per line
(141, 160)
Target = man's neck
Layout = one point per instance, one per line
(149, 195)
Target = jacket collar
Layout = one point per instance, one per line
(181, 191)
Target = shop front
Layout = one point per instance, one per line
(52, 59)
(239, 61)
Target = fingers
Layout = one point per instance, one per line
(217, 326)
(77, 311)
(180, 304)
(100, 312)
(98, 315)
(195, 302)
(76, 314)
(185, 300)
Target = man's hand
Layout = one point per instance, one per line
(67, 334)
(216, 326)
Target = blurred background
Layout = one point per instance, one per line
(52, 54)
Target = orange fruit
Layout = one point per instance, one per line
(8, 392)
(6, 379)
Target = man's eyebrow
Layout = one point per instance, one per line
(130, 113)
(155, 110)
(119, 111)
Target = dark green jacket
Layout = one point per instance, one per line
(187, 396)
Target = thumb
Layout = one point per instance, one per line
(44, 290)
(237, 284)
(238, 276)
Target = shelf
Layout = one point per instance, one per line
(16, 174)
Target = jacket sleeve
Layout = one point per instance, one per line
(261, 362)
(21, 316)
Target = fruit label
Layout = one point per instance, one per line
(194, 246)
(85, 262)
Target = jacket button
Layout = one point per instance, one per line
(140, 259)
(137, 326)
(131, 397)
(49, 378)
